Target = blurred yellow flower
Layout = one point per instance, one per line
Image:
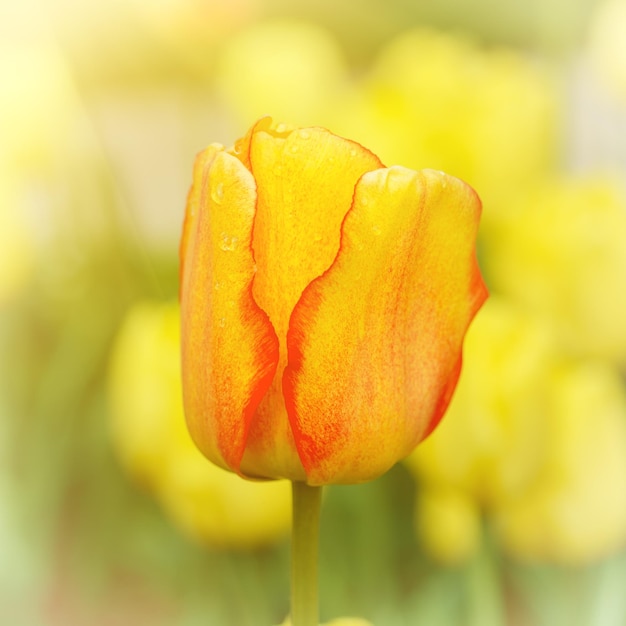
(439, 100)
(537, 443)
(562, 255)
(288, 67)
(150, 436)
(576, 510)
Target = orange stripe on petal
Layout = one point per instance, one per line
(229, 348)
(375, 343)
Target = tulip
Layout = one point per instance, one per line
(560, 254)
(324, 301)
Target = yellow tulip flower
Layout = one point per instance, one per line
(324, 303)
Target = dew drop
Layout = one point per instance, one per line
(227, 243)
(304, 134)
(293, 148)
(217, 193)
(216, 285)
(222, 322)
(281, 128)
(376, 229)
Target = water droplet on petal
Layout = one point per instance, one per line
(444, 178)
(376, 229)
(304, 134)
(394, 178)
(227, 243)
(217, 193)
(222, 322)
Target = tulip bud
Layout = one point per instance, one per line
(324, 301)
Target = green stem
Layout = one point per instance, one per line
(304, 550)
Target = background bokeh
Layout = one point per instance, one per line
(512, 513)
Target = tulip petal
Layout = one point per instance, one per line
(305, 180)
(375, 343)
(203, 161)
(229, 348)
